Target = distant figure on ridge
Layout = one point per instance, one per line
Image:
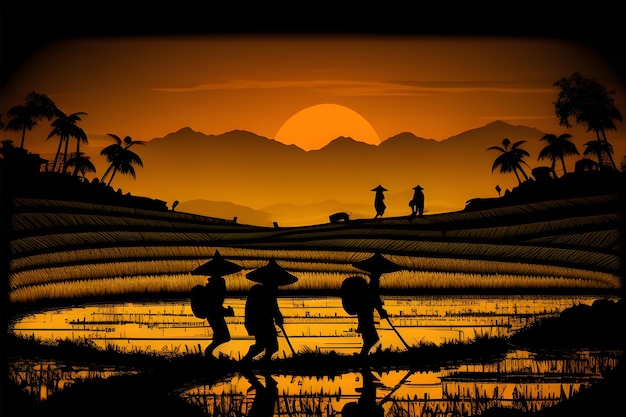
(208, 301)
(262, 314)
(379, 201)
(417, 202)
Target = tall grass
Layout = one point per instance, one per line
(414, 281)
(166, 260)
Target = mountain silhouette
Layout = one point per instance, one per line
(256, 172)
(226, 210)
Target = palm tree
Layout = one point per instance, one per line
(510, 158)
(120, 157)
(602, 150)
(558, 147)
(65, 127)
(591, 104)
(26, 116)
(81, 164)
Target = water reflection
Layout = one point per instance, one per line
(265, 395)
(366, 404)
(318, 324)
(522, 381)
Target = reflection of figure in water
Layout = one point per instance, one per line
(379, 201)
(417, 202)
(265, 396)
(213, 298)
(262, 314)
(376, 265)
(366, 406)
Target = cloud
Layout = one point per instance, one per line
(360, 88)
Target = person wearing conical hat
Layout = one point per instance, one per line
(262, 314)
(214, 296)
(417, 202)
(376, 265)
(379, 201)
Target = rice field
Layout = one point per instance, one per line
(62, 249)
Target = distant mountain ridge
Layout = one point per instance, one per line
(254, 172)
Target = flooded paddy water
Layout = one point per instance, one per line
(318, 324)
(521, 380)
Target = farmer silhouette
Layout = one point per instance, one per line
(417, 202)
(265, 396)
(379, 201)
(213, 298)
(376, 265)
(262, 314)
(366, 405)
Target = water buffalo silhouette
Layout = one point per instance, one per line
(340, 217)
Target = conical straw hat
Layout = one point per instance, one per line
(272, 273)
(379, 188)
(217, 266)
(377, 264)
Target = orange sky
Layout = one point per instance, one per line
(434, 87)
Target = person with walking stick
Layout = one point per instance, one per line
(362, 298)
(262, 314)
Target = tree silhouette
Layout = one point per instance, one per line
(81, 164)
(28, 115)
(591, 104)
(120, 157)
(600, 149)
(510, 158)
(8, 149)
(558, 148)
(65, 127)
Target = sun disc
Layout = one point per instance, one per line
(314, 127)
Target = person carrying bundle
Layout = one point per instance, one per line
(361, 298)
(207, 301)
(417, 202)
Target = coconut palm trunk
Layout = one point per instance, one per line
(607, 145)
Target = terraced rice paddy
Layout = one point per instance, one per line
(541, 258)
(63, 250)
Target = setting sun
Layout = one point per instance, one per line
(314, 127)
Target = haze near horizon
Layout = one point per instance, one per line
(379, 87)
